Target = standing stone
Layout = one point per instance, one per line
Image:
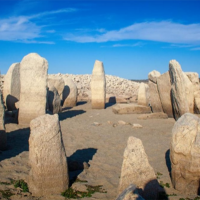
(185, 154)
(154, 97)
(49, 172)
(197, 102)
(194, 78)
(54, 102)
(3, 136)
(58, 83)
(178, 91)
(33, 94)
(142, 95)
(164, 89)
(137, 170)
(153, 75)
(70, 93)
(11, 90)
(98, 86)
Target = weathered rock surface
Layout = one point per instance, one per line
(54, 102)
(49, 172)
(58, 83)
(197, 102)
(154, 97)
(153, 75)
(11, 90)
(178, 91)
(3, 136)
(130, 193)
(98, 86)
(164, 89)
(130, 109)
(137, 170)
(185, 154)
(33, 94)
(142, 95)
(194, 78)
(160, 115)
(69, 93)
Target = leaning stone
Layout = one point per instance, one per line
(164, 89)
(153, 76)
(142, 95)
(194, 78)
(178, 91)
(155, 98)
(130, 193)
(49, 171)
(160, 115)
(11, 89)
(130, 109)
(58, 83)
(137, 170)
(3, 136)
(54, 102)
(185, 154)
(70, 93)
(33, 94)
(98, 86)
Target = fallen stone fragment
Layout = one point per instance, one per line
(159, 115)
(137, 126)
(130, 109)
(49, 170)
(122, 122)
(96, 124)
(109, 122)
(137, 170)
(185, 154)
(77, 186)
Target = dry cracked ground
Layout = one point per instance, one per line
(94, 143)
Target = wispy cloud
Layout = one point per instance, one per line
(164, 31)
(23, 28)
(138, 44)
(195, 49)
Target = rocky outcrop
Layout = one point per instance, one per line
(49, 172)
(130, 109)
(33, 94)
(185, 154)
(3, 136)
(142, 95)
(11, 90)
(178, 90)
(137, 170)
(69, 93)
(98, 86)
(164, 89)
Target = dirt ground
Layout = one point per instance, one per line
(101, 145)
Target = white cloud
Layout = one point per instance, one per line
(195, 49)
(23, 29)
(128, 45)
(164, 31)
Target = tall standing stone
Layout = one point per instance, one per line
(137, 170)
(142, 95)
(178, 91)
(197, 102)
(164, 89)
(70, 93)
(11, 90)
(33, 94)
(185, 154)
(3, 136)
(98, 86)
(49, 171)
(194, 78)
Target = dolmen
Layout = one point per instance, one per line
(185, 154)
(98, 86)
(3, 136)
(47, 157)
(33, 94)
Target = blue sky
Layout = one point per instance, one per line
(131, 37)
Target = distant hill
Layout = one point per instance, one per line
(141, 81)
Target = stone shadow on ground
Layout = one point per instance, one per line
(77, 161)
(17, 142)
(70, 114)
(168, 162)
(81, 103)
(112, 101)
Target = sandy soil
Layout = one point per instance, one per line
(101, 146)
